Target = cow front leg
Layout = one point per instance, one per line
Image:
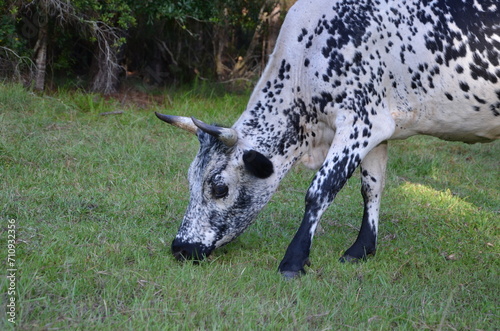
(373, 169)
(297, 253)
(327, 182)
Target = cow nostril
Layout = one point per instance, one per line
(188, 251)
(180, 255)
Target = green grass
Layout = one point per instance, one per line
(98, 199)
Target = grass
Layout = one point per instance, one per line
(98, 199)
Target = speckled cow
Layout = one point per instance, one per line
(345, 77)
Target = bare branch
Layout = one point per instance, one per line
(14, 65)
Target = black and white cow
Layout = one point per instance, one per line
(345, 77)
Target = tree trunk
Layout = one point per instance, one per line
(220, 42)
(41, 57)
(274, 24)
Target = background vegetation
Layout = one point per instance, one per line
(96, 45)
(97, 200)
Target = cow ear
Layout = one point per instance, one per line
(257, 164)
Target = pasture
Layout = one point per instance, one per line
(98, 199)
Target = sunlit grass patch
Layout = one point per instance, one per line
(440, 203)
(452, 226)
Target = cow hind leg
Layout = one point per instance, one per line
(373, 169)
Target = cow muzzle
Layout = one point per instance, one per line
(189, 251)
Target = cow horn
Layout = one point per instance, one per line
(229, 137)
(182, 122)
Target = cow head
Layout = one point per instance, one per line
(229, 184)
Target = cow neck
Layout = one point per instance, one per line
(273, 130)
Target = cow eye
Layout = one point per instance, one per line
(220, 191)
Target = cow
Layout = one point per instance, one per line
(345, 77)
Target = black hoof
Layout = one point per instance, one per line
(295, 271)
(350, 259)
(289, 275)
(353, 259)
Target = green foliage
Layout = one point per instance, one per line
(232, 12)
(9, 35)
(70, 28)
(115, 13)
(163, 41)
(98, 199)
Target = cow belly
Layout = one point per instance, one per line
(447, 121)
